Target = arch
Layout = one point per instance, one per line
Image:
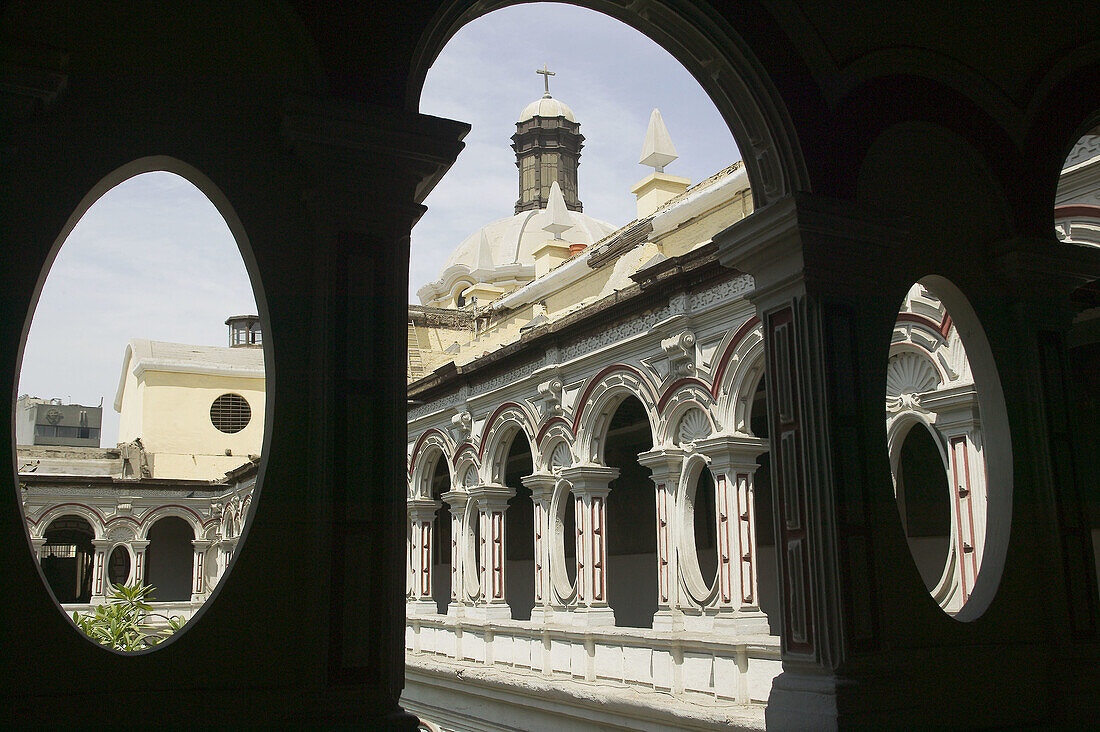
(737, 375)
(92, 516)
(193, 519)
(717, 57)
(430, 448)
(429, 438)
(598, 402)
(689, 423)
(681, 397)
(68, 567)
(563, 544)
(556, 452)
(501, 427)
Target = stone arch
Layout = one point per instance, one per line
(677, 402)
(431, 446)
(68, 556)
(563, 544)
(501, 428)
(556, 452)
(740, 381)
(599, 400)
(89, 514)
(160, 512)
(714, 54)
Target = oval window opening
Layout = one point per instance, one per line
(936, 433)
(140, 420)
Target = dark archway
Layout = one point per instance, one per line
(441, 537)
(924, 503)
(631, 519)
(767, 573)
(519, 531)
(68, 558)
(170, 559)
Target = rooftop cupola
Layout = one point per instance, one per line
(244, 330)
(548, 144)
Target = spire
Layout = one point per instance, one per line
(559, 214)
(484, 254)
(658, 150)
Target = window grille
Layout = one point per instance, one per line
(230, 413)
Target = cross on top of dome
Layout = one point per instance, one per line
(546, 74)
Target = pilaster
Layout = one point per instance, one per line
(492, 504)
(456, 501)
(816, 263)
(198, 580)
(139, 546)
(733, 465)
(591, 486)
(665, 465)
(99, 570)
(541, 486)
(421, 517)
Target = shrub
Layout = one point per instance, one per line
(122, 622)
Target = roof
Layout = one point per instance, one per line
(144, 355)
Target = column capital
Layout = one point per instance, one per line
(102, 543)
(422, 509)
(591, 479)
(956, 408)
(201, 544)
(457, 500)
(807, 242)
(663, 462)
(139, 544)
(491, 496)
(541, 485)
(731, 452)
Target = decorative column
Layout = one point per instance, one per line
(37, 545)
(733, 464)
(591, 485)
(366, 171)
(958, 420)
(139, 546)
(456, 501)
(541, 486)
(228, 549)
(99, 571)
(665, 465)
(198, 582)
(818, 267)
(492, 503)
(421, 516)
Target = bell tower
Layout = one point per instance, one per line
(547, 143)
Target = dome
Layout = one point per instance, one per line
(507, 257)
(514, 240)
(547, 106)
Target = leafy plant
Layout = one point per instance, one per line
(123, 623)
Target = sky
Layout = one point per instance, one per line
(152, 258)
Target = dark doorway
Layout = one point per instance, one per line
(170, 560)
(631, 519)
(924, 499)
(68, 558)
(519, 531)
(441, 538)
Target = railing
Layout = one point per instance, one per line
(699, 665)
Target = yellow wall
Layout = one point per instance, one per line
(171, 413)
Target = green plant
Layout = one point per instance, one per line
(122, 622)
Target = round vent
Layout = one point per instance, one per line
(230, 413)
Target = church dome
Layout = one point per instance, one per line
(507, 256)
(513, 240)
(547, 106)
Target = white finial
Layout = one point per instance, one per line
(559, 214)
(484, 254)
(658, 150)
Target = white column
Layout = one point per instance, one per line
(456, 501)
(733, 465)
(139, 546)
(591, 486)
(421, 513)
(198, 588)
(492, 503)
(958, 422)
(665, 465)
(542, 491)
(37, 545)
(99, 571)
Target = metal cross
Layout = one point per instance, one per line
(546, 77)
